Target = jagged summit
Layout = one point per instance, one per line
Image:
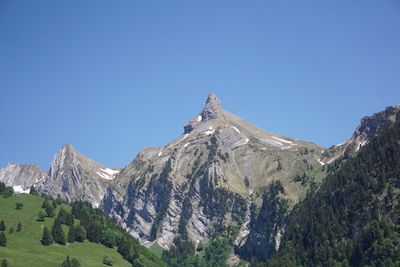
(212, 109)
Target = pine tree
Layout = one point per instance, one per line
(4, 263)
(2, 226)
(3, 239)
(50, 211)
(19, 205)
(80, 234)
(57, 232)
(41, 216)
(70, 263)
(11, 230)
(19, 227)
(33, 191)
(71, 234)
(54, 203)
(46, 237)
(70, 219)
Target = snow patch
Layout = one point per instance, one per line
(282, 140)
(185, 145)
(159, 154)
(320, 162)
(247, 140)
(107, 173)
(199, 118)
(18, 189)
(209, 132)
(286, 147)
(236, 129)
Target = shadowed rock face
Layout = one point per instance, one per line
(207, 178)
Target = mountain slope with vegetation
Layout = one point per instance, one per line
(353, 219)
(26, 246)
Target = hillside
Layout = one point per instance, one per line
(25, 246)
(353, 219)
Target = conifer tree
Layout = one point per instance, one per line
(19, 227)
(71, 234)
(4, 263)
(3, 239)
(46, 237)
(2, 226)
(57, 232)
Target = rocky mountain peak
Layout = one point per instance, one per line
(212, 110)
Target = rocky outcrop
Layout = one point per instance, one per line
(207, 179)
(76, 177)
(369, 127)
(21, 176)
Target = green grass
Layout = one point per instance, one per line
(24, 248)
(156, 249)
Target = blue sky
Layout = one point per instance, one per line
(112, 77)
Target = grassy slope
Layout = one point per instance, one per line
(24, 248)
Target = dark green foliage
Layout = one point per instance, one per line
(41, 216)
(33, 191)
(3, 239)
(109, 238)
(65, 217)
(71, 234)
(8, 191)
(4, 263)
(127, 246)
(57, 232)
(47, 239)
(2, 187)
(70, 263)
(11, 230)
(270, 220)
(51, 212)
(108, 261)
(187, 211)
(19, 227)
(181, 253)
(353, 218)
(80, 234)
(2, 225)
(19, 205)
(217, 252)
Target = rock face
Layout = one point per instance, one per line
(76, 177)
(21, 176)
(207, 179)
(369, 127)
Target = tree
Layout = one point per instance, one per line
(50, 211)
(70, 263)
(8, 192)
(108, 261)
(109, 238)
(2, 226)
(11, 230)
(71, 234)
(57, 232)
(2, 187)
(80, 234)
(70, 219)
(19, 227)
(46, 237)
(4, 263)
(19, 205)
(33, 191)
(3, 239)
(54, 204)
(41, 216)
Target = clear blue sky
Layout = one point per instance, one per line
(112, 77)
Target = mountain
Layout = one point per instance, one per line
(210, 177)
(353, 219)
(369, 128)
(21, 176)
(76, 177)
